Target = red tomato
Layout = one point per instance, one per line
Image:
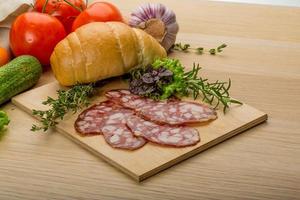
(62, 10)
(98, 12)
(36, 34)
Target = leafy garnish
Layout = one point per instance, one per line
(213, 93)
(182, 84)
(148, 81)
(199, 50)
(67, 100)
(4, 121)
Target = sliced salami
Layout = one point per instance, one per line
(109, 119)
(127, 99)
(181, 136)
(123, 121)
(90, 120)
(177, 112)
(117, 134)
(163, 112)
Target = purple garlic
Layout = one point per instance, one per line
(158, 21)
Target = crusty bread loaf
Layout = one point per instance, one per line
(98, 50)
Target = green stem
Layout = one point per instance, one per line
(44, 6)
(72, 5)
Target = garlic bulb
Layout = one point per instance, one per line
(158, 21)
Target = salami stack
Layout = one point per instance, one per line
(128, 121)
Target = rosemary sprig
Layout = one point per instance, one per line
(212, 93)
(68, 100)
(167, 77)
(199, 50)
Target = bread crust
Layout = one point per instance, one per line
(98, 50)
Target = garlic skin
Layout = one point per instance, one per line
(158, 21)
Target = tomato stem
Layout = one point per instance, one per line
(75, 7)
(44, 6)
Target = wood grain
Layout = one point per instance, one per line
(133, 163)
(231, 19)
(263, 163)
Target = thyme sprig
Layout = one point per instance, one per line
(67, 100)
(219, 49)
(199, 50)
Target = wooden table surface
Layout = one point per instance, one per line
(263, 61)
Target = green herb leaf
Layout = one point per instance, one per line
(212, 51)
(68, 100)
(200, 50)
(4, 120)
(221, 47)
(181, 47)
(187, 83)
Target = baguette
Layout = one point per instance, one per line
(99, 50)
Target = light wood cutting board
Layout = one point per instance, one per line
(150, 159)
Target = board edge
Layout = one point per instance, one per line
(204, 147)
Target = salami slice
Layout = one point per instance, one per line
(163, 112)
(127, 99)
(109, 119)
(181, 136)
(177, 112)
(117, 134)
(90, 120)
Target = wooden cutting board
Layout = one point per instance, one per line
(150, 159)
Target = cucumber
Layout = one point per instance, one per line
(18, 75)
